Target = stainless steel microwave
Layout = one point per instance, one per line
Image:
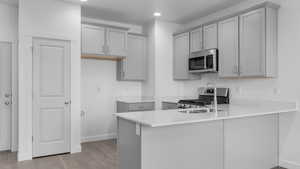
(204, 61)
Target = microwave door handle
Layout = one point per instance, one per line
(214, 61)
(205, 62)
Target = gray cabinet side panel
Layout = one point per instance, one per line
(190, 146)
(271, 42)
(251, 142)
(129, 148)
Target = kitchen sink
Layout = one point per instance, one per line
(198, 111)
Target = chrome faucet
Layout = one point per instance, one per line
(213, 85)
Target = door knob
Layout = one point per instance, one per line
(7, 95)
(7, 103)
(67, 102)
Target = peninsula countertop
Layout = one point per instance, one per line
(237, 109)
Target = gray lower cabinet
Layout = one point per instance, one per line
(136, 106)
(181, 56)
(241, 143)
(228, 43)
(133, 67)
(168, 105)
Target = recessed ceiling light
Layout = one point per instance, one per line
(156, 14)
(83, 0)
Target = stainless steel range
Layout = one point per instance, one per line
(206, 97)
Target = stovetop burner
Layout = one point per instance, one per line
(206, 97)
(197, 102)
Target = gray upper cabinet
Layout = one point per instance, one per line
(196, 40)
(101, 40)
(134, 67)
(253, 43)
(210, 36)
(181, 55)
(116, 42)
(93, 40)
(247, 44)
(228, 44)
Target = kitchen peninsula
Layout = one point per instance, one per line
(243, 134)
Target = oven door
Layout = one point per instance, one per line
(197, 64)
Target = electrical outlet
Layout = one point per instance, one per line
(238, 90)
(98, 89)
(276, 91)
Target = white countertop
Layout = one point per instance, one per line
(134, 99)
(237, 109)
(169, 99)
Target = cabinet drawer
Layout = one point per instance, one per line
(134, 106)
(141, 106)
(168, 106)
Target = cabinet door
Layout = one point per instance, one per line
(228, 44)
(181, 55)
(252, 43)
(116, 42)
(93, 40)
(196, 42)
(135, 62)
(210, 36)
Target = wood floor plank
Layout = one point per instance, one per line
(95, 155)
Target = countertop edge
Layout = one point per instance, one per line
(207, 120)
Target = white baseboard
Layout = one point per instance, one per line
(4, 148)
(24, 156)
(289, 164)
(99, 137)
(76, 149)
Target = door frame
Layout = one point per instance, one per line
(13, 147)
(70, 97)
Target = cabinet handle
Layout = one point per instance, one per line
(236, 69)
(107, 49)
(240, 70)
(103, 49)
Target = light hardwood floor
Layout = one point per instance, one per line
(95, 155)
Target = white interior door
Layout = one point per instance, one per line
(5, 95)
(51, 98)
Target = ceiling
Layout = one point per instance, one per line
(140, 11)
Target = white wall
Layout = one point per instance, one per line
(160, 83)
(165, 86)
(47, 19)
(100, 90)
(9, 33)
(286, 86)
(132, 28)
(148, 87)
